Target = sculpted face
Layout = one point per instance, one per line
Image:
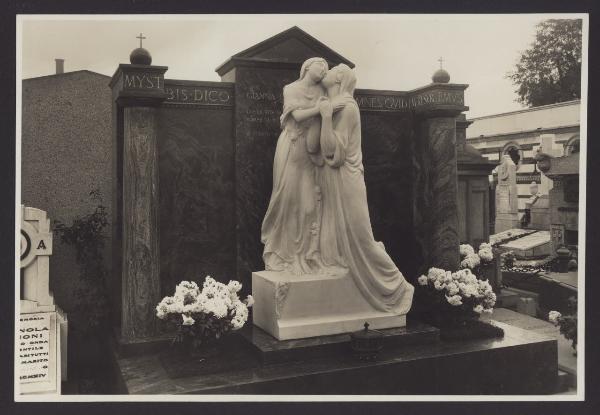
(330, 78)
(317, 71)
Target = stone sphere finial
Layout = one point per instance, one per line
(140, 56)
(441, 76)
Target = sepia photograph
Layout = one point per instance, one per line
(279, 207)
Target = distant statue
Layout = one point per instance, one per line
(526, 218)
(346, 237)
(291, 225)
(505, 168)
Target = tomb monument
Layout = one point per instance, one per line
(507, 209)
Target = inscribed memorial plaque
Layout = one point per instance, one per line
(34, 348)
(38, 359)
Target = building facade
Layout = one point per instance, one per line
(66, 152)
(520, 133)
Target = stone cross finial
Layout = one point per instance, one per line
(441, 60)
(140, 37)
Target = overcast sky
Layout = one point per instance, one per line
(396, 52)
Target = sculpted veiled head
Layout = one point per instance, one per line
(341, 74)
(315, 68)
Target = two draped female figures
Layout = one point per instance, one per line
(318, 218)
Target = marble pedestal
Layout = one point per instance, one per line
(291, 306)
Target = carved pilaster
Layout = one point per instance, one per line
(436, 193)
(141, 276)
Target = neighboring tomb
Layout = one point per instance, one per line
(41, 348)
(534, 245)
(537, 214)
(564, 199)
(507, 211)
(473, 189)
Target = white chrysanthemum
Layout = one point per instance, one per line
(209, 282)
(439, 285)
(162, 309)
(454, 300)
(237, 323)
(250, 300)
(553, 316)
(452, 288)
(435, 274)
(486, 254)
(485, 245)
(470, 261)
(185, 288)
(234, 286)
(176, 307)
(449, 277)
(469, 290)
(187, 320)
(218, 308)
(478, 309)
(466, 250)
(423, 280)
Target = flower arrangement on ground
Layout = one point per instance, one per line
(204, 314)
(460, 295)
(461, 290)
(567, 323)
(476, 261)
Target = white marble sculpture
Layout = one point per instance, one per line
(325, 273)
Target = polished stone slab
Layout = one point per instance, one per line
(533, 245)
(523, 362)
(270, 350)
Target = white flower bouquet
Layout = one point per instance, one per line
(204, 314)
(461, 290)
(473, 260)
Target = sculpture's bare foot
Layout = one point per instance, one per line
(296, 269)
(317, 263)
(307, 269)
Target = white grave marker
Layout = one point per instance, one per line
(41, 338)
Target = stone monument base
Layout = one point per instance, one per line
(291, 306)
(414, 361)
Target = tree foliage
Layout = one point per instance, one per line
(86, 235)
(550, 70)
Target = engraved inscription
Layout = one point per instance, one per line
(198, 95)
(34, 348)
(405, 103)
(142, 81)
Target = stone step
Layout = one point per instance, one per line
(565, 381)
(270, 350)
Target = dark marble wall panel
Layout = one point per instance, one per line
(387, 148)
(259, 103)
(197, 221)
(435, 193)
(141, 285)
